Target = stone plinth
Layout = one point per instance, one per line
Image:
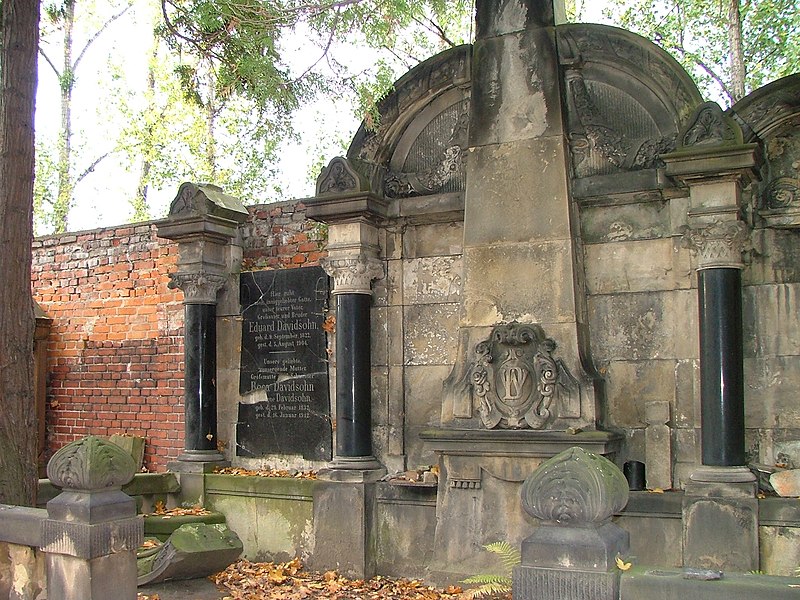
(92, 531)
(571, 555)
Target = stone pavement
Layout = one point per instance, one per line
(192, 589)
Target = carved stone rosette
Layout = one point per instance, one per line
(718, 245)
(198, 288)
(575, 488)
(353, 274)
(517, 382)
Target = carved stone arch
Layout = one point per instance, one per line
(627, 99)
(418, 143)
(770, 116)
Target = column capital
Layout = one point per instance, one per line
(353, 274)
(198, 287)
(718, 244)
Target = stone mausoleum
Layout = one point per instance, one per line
(550, 241)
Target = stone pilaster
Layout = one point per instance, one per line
(92, 532)
(204, 221)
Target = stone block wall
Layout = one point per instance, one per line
(115, 350)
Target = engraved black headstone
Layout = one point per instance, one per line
(284, 354)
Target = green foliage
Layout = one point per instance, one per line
(697, 33)
(492, 584)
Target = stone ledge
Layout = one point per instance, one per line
(666, 584)
(279, 488)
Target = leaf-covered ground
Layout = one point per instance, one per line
(245, 580)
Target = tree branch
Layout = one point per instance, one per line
(703, 65)
(98, 33)
(50, 62)
(91, 167)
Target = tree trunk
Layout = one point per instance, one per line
(18, 431)
(738, 72)
(67, 82)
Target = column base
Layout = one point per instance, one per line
(198, 461)
(723, 482)
(357, 469)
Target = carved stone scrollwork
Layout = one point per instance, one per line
(450, 165)
(516, 381)
(718, 245)
(575, 488)
(338, 177)
(782, 193)
(91, 464)
(353, 274)
(710, 127)
(198, 288)
(623, 151)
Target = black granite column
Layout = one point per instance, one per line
(721, 367)
(353, 276)
(200, 393)
(353, 387)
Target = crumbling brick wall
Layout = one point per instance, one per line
(115, 350)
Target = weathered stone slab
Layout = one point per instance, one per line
(631, 384)
(529, 283)
(629, 222)
(432, 280)
(525, 207)
(642, 326)
(769, 319)
(786, 483)
(636, 266)
(773, 386)
(515, 91)
(436, 239)
(430, 334)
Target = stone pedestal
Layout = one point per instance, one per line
(571, 555)
(204, 221)
(720, 519)
(344, 521)
(92, 532)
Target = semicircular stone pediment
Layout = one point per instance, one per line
(771, 116)
(627, 99)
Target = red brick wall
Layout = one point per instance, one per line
(115, 350)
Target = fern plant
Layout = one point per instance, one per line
(490, 584)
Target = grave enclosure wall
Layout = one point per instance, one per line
(115, 349)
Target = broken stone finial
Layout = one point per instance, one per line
(575, 487)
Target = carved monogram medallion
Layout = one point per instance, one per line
(515, 379)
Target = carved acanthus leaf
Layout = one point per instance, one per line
(198, 288)
(353, 274)
(719, 244)
(91, 464)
